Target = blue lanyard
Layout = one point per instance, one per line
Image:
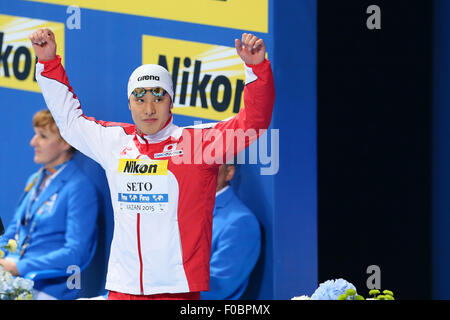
(35, 184)
(34, 195)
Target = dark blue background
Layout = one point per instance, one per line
(441, 151)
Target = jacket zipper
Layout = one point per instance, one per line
(140, 254)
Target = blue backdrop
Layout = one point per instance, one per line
(99, 58)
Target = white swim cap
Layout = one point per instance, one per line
(150, 75)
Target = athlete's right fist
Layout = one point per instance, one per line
(44, 44)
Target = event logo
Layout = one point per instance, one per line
(17, 58)
(208, 79)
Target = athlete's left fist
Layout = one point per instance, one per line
(250, 48)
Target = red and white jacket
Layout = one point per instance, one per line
(163, 185)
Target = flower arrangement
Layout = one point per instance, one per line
(341, 289)
(13, 288)
(11, 247)
(387, 295)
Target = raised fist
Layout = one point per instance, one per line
(251, 49)
(44, 44)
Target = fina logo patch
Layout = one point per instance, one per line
(169, 151)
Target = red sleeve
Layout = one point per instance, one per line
(227, 138)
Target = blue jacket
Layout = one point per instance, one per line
(66, 213)
(235, 247)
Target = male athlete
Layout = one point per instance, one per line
(162, 177)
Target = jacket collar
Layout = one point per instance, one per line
(223, 197)
(55, 184)
(167, 131)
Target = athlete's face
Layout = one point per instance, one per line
(49, 148)
(150, 113)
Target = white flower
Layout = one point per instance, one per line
(331, 289)
(14, 287)
(303, 297)
(23, 284)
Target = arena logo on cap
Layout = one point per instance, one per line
(17, 58)
(148, 78)
(208, 79)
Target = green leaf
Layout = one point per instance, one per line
(388, 297)
(374, 292)
(350, 292)
(342, 297)
(389, 293)
(358, 297)
(381, 297)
